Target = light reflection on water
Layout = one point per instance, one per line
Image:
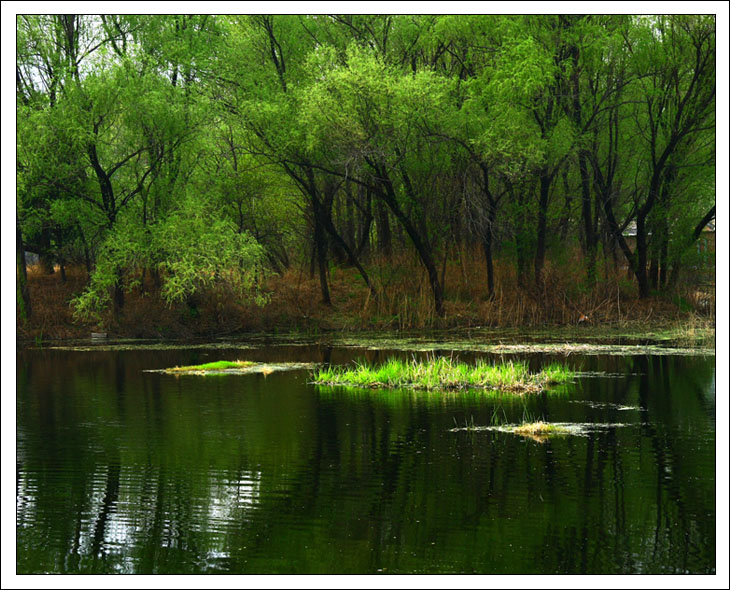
(125, 471)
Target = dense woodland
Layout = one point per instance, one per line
(181, 156)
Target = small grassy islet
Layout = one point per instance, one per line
(447, 374)
(214, 366)
(234, 368)
(542, 431)
(540, 428)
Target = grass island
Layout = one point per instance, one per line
(446, 374)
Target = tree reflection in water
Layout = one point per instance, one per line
(125, 471)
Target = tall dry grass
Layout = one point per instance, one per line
(405, 299)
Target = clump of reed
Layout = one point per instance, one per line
(447, 374)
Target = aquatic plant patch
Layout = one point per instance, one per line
(562, 348)
(134, 345)
(445, 374)
(234, 368)
(604, 405)
(540, 431)
(214, 366)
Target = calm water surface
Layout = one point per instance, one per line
(120, 470)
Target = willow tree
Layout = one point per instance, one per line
(493, 68)
(50, 52)
(645, 94)
(676, 59)
(378, 120)
(263, 93)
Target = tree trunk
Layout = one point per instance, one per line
(118, 299)
(663, 253)
(348, 254)
(61, 261)
(633, 258)
(487, 245)
(333, 205)
(44, 255)
(520, 238)
(676, 267)
(487, 241)
(385, 247)
(312, 258)
(422, 247)
(654, 271)
(349, 217)
(590, 244)
(591, 241)
(62, 268)
(320, 246)
(641, 257)
(87, 257)
(23, 295)
(366, 220)
(542, 208)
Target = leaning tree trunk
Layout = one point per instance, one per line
(709, 216)
(422, 247)
(325, 208)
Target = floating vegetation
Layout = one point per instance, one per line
(604, 405)
(503, 342)
(606, 374)
(540, 428)
(445, 374)
(541, 431)
(234, 368)
(562, 348)
(137, 345)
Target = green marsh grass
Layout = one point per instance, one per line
(445, 374)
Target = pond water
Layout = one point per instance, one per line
(124, 470)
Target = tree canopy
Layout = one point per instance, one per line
(214, 150)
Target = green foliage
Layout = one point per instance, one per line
(200, 145)
(192, 249)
